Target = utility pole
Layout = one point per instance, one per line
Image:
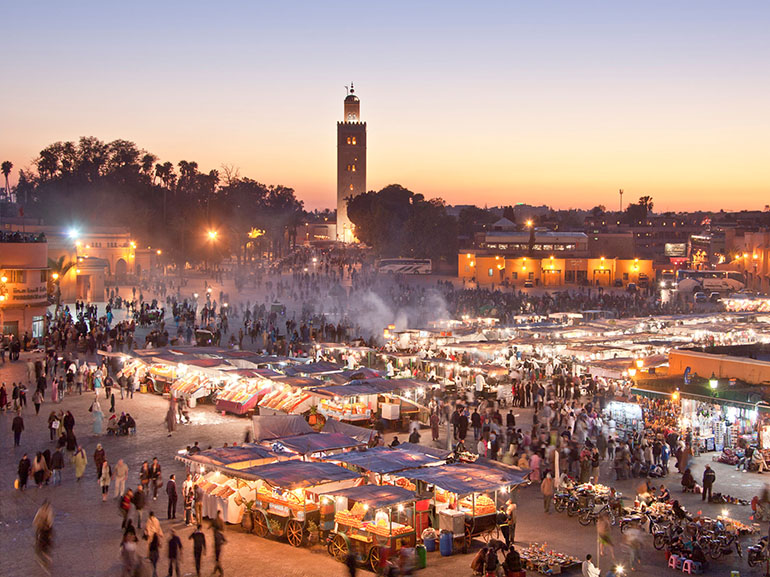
(621, 199)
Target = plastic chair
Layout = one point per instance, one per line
(673, 561)
(687, 566)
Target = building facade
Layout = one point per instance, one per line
(23, 284)
(351, 163)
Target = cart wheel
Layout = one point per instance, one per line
(260, 524)
(468, 537)
(338, 547)
(294, 533)
(374, 558)
(491, 534)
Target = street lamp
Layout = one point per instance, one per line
(713, 381)
(213, 234)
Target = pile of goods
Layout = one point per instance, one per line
(223, 492)
(539, 558)
(286, 499)
(345, 411)
(286, 399)
(189, 385)
(404, 483)
(483, 505)
(735, 526)
(382, 528)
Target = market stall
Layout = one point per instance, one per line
(285, 496)
(466, 496)
(223, 458)
(369, 521)
(244, 388)
(538, 557)
(290, 395)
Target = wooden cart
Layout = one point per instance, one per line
(369, 521)
(286, 497)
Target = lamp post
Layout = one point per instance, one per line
(713, 382)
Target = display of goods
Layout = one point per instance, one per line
(291, 407)
(223, 492)
(539, 556)
(596, 489)
(483, 505)
(347, 518)
(406, 484)
(384, 530)
(163, 371)
(207, 486)
(344, 408)
(442, 496)
(287, 499)
(189, 384)
(735, 526)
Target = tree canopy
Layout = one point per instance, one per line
(92, 183)
(397, 222)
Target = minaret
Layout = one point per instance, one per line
(351, 162)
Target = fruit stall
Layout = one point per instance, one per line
(285, 499)
(372, 522)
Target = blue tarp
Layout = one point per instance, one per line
(315, 442)
(466, 478)
(425, 450)
(318, 368)
(230, 455)
(384, 459)
(359, 433)
(376, 496)
(296, 474)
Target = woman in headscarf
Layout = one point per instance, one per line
(39, 469)
(99, 458)
(96, 411)
(104, 479)
(80, 460)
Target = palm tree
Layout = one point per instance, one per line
(57, 269)
(6, 169)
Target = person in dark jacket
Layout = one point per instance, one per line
(57, 464)
(199, 547)
(476, 423)
(139, 501)
(155, 477)
(24, 466)
(174, 551)
(172, 496)
(708, 481)
(17, 427)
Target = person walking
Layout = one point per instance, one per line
(219, 542)
(121, 475)
(155, 477)
(174, 551)
(709, 476)
(98, 416)
(37, 400)
(152, 528)
(17, 426)
(125, 507)
(172, 496)
(104, 479)
(57, 464)
(139, 501)
(80, 461)
(154, 551)
(99, 458)
(199, 547)
(546, 488)
(24, 467)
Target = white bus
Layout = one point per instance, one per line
(405, 266)
(710, 280)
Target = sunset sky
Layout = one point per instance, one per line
(492, 103)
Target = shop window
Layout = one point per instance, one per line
(514, 275)
(625, 276)
(38, 327)
(491, 272)
(569, 276)
(43, 276)
(531, 276)
(15, 276)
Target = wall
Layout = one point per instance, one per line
(25, 265)
(724, 367)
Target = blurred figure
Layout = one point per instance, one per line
(43, 523)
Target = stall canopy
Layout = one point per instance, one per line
(315, 443)
(238, 457)
(425, 450)
(352, 375)
(375, 496)
(365, 387)
(466, 478)
(268, 427)
(295, 474)
(359, 433)
(319, 368)
(385, 460)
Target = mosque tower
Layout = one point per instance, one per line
(351, 162)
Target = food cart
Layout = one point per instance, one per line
(537, 557)
(243, 389)
(286, 497)
(466, 496)
(369, 521)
